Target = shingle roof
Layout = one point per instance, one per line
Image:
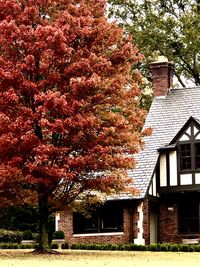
(166, 117)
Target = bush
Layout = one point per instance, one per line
(65, 246)
(174, 248)
(58, 235)
(27, 235)
(164, 247)
(121, 247)
(114, 247)
(197, 248)
(54, 246)
(184, 247)
(10, 236)
(134, 247)
(15, 246)
(152, 247)
(142, 247)
(74, 246)
(191, 248)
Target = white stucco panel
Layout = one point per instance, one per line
(151, 189)
(189, 131)
(195, 130)
(197, 137)
(154, 185)
(163, 170)
(197, 178)
(186, 179)
(184, 138)
(173, 168)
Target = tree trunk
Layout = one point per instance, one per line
(43, 244)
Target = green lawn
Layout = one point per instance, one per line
(20, 258)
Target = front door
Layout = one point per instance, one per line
(153, 227)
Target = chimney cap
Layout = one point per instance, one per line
(162, 59)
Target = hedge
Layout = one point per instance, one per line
(123, 247)
(133, 247)
(7, 236)
(15, 246)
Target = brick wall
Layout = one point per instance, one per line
(66, 224)
(146, 222)
(169, 232)
(169, 224)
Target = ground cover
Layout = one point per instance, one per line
(22, 258)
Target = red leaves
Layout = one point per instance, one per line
(68, 98)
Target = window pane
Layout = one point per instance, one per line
(185, 157)
(185, 150)
(82, 225)
(197, 155)
(188, 217)
(112, 219)
(108, 218)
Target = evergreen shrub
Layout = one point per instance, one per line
(174, 248)
(27, 235)
(7, 236)
(65, 246)
(153, 247)
(54, 246)
(58, 235)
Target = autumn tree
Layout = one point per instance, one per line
(170, 28)
(69, 115)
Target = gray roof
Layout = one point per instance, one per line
(166, 117)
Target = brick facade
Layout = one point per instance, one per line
(146, 222)
(168, 230)
(130, 229)
(168, 225)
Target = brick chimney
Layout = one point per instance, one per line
(162, 74)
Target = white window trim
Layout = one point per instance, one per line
(99, 234)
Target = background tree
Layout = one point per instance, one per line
(170, 28)
(68, 104)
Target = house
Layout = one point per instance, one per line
(167, 177)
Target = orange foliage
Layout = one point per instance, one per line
(68, 100)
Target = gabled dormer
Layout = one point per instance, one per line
(179, 162)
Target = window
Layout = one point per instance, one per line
(189, 156)
(111, 219)
(185, 157)
(82, 224)
(188, 217)
(106, 219)
(189, 149)
(197, 156)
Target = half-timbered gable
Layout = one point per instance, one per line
(179, 162)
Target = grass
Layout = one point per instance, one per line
(21, 258)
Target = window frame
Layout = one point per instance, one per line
(185, 157)
(193, 142)
(188, 218)
(100, 215)
(197, 156)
